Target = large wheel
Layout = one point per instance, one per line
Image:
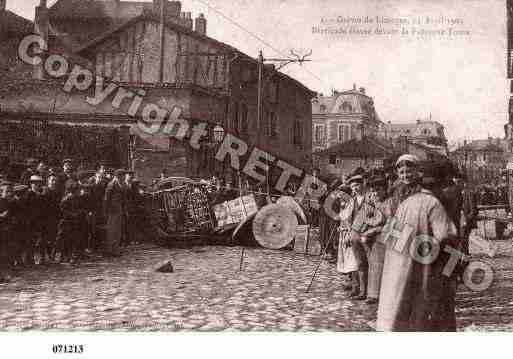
(274, 226)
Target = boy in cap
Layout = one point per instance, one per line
(114, 207)
(9, 213)
(36, 211)
(31, 170)
(52, 198)
(70, 222)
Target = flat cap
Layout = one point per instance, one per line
(36, 178)
(357, 178)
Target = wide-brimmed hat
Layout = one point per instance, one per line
(36, 178)
(20, 188)
(356, 178)
(119, 172)
(67, 160)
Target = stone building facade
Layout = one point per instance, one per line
(424, 132)
(342, 117)
(167, 57)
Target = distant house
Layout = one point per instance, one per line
(342, 117)
(425, 132)
(481, 159)
(341, 159)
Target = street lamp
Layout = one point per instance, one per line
(218, 134)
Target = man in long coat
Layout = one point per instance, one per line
(414, 291)
(114, 206)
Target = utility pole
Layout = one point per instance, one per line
(161, 43)
(283, 62)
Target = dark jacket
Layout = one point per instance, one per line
(115, 201)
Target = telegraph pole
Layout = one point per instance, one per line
(261, 62)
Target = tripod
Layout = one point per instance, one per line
(323, 255)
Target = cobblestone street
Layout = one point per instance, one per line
(208, 292)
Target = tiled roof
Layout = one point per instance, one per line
(13, 25)
(90, 9)
(346, 102)
(150, 16)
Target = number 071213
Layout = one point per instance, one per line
(67, 349)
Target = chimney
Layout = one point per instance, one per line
(464, 142)
(3, 5)
(173, 9)
(188, 20)
(354, 87)
(157, 5)
(41, 28)
(201, 24)
(362, 90)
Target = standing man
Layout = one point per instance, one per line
(67, 174)
(414, 291)
(129, 221)
(98, 185)
(36, 214)
(114, 207)
(31, 170)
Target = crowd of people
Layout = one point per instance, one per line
(51, 216)
(429, 200)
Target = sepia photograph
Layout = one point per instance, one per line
(284, 166)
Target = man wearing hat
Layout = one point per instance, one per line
(114, 207)
(129, 228)
(9, 214)
(36, 210)
(415, 295)
(352, 255)
(70, 222)
(31, 170)
(98, 184)
(67, 172)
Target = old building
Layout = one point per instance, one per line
(482, 160)
(368, 153)
(342, 117)
(167, 57)
(12, 29)
(425, 132)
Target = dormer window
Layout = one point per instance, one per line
(323, 108)
(346, 107)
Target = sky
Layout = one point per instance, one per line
(458, 79)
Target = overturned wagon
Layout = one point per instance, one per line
(186, 216)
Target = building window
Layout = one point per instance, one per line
(273, 125)
(298, 133)
(333, 159)
(426, 131)
(273, 92)
(323, 108)
(346, 107)
(319, 133)
(344, 132)
(338, 162)
(244, 119)
(235, 120)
